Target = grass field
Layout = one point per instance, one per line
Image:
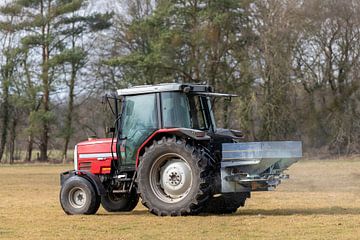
(321, 200)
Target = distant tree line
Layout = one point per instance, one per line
(294, 65)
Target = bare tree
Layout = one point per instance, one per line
(327, 62)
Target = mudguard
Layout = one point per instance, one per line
(181, 132)
(88, 175)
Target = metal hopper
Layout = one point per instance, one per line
(256, 166)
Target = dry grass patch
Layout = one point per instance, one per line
(320, 201)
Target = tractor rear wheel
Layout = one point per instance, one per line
(120, 202)
(174, 178)
(227, 203)
(78, 196)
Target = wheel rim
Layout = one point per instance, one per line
(170, 178)
(77, 197)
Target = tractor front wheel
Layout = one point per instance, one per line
(78, 196)
(174, 178)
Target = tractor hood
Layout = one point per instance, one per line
(95, 155)
(102, 144)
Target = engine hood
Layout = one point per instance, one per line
(95, 155)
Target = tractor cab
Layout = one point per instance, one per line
(146, 109)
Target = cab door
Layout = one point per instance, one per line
(139, 121)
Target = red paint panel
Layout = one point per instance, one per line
(97, 166)
(102, 145)
(94, 164)
(98, 146)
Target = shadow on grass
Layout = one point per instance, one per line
(135, 212)
(298, 211)
(261, 212)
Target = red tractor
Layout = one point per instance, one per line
(167, 150)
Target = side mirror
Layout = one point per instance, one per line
(110, 130)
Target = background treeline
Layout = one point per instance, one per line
(294, 64)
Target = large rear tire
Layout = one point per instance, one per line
(120, 202)
(226, 203)
(78, 196)
(174, 178)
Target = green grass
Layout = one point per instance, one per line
(320, 201)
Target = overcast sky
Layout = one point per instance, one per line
(96, 5)
(106, 5)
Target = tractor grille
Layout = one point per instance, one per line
(85, 166)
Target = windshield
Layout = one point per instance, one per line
(175, 110)
(185, 111)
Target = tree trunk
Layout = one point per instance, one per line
(12, 140)
(29, 148)
(46, 88)
(45, 130)
(35, 108)
(5, 121)
(68, 121)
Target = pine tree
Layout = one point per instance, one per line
(74, 57)
(8, 63)
(44, 24)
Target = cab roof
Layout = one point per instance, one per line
(165, 87)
